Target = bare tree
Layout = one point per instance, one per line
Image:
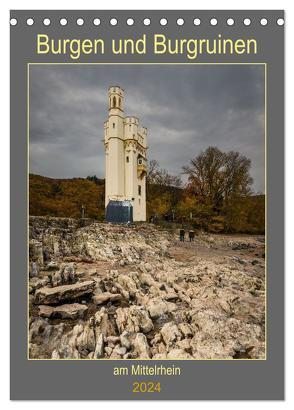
(218, 176)
(160, 176)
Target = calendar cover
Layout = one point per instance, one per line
(147, 208)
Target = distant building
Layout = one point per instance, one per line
(125, 160)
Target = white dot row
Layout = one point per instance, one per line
(147, 22)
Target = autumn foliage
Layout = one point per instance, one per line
(65, 197)
(216, 196)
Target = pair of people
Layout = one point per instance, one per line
(191, 235)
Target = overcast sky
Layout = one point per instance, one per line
(185, 108)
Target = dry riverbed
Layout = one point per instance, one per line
(108, 291)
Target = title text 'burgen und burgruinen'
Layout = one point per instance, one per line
(159, 45)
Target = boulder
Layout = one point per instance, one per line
(65, 276)
(127, 284)
(52, 266)
(170, 333)
(99, 348)
(59, 294)
(118, 352)
(105, 297)
(125, 340)
(141, 347)
(86, 340)
(133, 319)
(37, 283)
(67, 311)
(158, 307)
(34, 271)
(103, 323)
(36, 251)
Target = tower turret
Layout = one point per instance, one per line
(115, 146)
(125, 160)
(116, 99)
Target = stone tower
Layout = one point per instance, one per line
(125, 161)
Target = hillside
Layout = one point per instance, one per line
(65, 197)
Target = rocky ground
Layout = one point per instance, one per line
(110, 291)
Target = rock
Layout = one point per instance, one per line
(157, 339)
(37, 283)
(148, 267)
(237, 246)
(158, 307)
(103, 323)
(52, 265)
(55, 355)
(86, 340)
(141, 347)
(58, 294)
(127, 284)
(80, 275)
(147, 279)
(170, 333)
(99, 348)
(218, 310)
(125, 340)
(178, 354)
(34, 271)
(186, 329)
(46, 311)
(108, 350)
(67, 311)
(65, 276)
(104, 297)
(36, 252)
(118, 352)
(133, 319)
(121, 350)
(237, 259)
(184, 344)
(171, 295)
(113, 339)
(159, 356)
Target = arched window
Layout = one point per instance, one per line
(114, 102)
(119, 102)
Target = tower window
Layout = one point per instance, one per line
(119, 102)
(113, 125)
(128, 159)
(139, 190)
(114, 102)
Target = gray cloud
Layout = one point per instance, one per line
(185, 108)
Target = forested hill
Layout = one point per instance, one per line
(65, 197)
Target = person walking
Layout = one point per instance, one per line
(191, 235)
(182, 235)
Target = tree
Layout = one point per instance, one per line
(95, 179)
(162, 189)
(218, 176)
(160, 176)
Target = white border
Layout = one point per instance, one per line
(5, 5)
